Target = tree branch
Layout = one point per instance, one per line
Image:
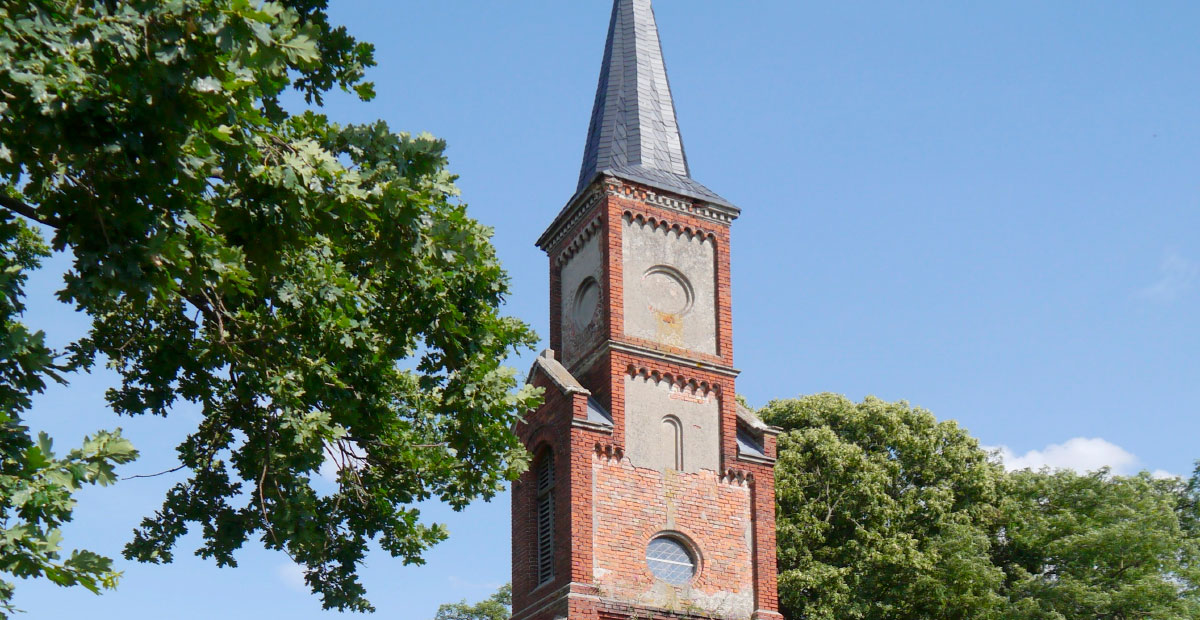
(20, 208)
(161, 473)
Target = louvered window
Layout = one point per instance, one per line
(545, 518)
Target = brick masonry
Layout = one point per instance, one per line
(633, 505)
(607, 509)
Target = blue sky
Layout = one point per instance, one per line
(987, 209)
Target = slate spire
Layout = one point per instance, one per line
(634, 133)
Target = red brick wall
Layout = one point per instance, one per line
(765, 566)
(606, 509)
(632, 505)
(549, 427)
(631, 201)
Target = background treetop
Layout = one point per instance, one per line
(883, 512)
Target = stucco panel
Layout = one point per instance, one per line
(582, 300)
(650, 436)
(669, 286)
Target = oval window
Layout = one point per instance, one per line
(670, 560)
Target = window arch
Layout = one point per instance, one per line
(544, 471)
(674, 436)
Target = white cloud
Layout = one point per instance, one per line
(292, 576)
(1177, 276)
(1080, 454)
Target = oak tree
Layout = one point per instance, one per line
(35, 485)
(317, 289)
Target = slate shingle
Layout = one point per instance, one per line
(634, 133)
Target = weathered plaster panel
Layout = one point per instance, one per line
(582, 300)
(670, 286)
(632, 505)
(652, 407)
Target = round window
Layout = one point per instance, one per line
(670, 560)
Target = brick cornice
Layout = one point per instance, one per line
(679, 379)
(629, 610)
(645, 216)
(548, 599)
(738, 476)
(570, 215)
(676, 202)
(671, 358)
(606, 185)
(610, 451)
(583, 237)
(587, 361)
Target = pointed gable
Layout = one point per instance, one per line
(547, 364)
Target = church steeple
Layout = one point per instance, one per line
(652, 492)
(634, 132)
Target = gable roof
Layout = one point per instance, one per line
(548, 365)
(558, 374)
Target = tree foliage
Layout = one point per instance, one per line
(316, 289)
(877, 509)
(496, 607)
(884, 512)
(35, 485)
(1097, 546)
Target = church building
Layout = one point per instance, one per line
(651, 493)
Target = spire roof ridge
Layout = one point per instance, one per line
(634, 132)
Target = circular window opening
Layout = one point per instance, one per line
(671, 560)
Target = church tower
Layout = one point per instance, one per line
(651, 493)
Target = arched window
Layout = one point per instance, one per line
(674, 438)
(545, 516)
